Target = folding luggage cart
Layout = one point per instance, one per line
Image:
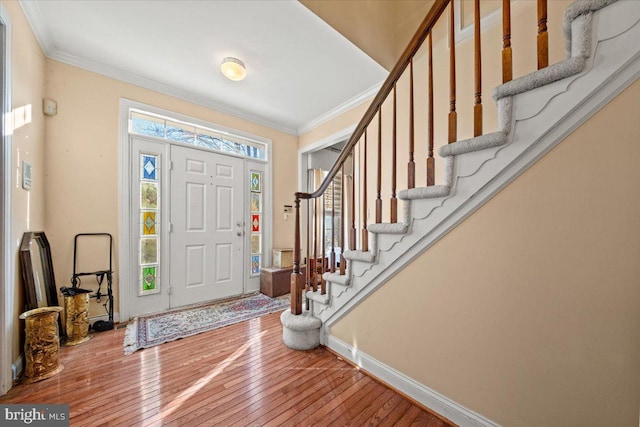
(100, 275)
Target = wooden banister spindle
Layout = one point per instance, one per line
(297, 280)
(343, 262)
(308, 275)
(379, 180)
(431, 164)
(365, 233)
(543, 36)
(411, 170)
(453, 116)
(477, 107)
(323, 284)
(352, 211)
(394, 200)
(314, 282)
(507, 59)
(332, 260)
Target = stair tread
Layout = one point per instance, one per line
(543, 77)
(388, 228)
(359, 256)
(424, 192)
(336, 278)
(318, 297)
(478, 143)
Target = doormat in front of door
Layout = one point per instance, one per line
(149, 331)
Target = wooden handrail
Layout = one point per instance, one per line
(427, 24)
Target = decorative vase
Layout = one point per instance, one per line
(76, 309)
(42, 343)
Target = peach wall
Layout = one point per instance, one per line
(82, 158)
(27, 90)
(366, 23)
(541, 325)
(380, 28)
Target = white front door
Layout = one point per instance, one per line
(206, 214)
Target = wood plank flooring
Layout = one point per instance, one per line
(240, 375)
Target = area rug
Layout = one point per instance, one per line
(149, 331)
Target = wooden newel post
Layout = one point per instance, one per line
(297, 280)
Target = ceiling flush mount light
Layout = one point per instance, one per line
(233, 69)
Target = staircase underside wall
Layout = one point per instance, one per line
(528, 312)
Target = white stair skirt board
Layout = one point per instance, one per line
(433, 400)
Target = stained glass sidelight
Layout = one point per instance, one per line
(255, 191)
(149, 237)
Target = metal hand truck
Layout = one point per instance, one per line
(100, 275)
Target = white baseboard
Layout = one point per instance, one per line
(433, 400)
(17, 366)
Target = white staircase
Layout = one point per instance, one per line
(536, 112)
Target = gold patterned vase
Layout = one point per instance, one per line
(42, 343)
(76, 309)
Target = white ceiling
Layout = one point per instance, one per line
(299, 69)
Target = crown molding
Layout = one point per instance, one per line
(36, 21)
(336, 111)
(165, 89)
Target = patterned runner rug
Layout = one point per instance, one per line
(148, 331)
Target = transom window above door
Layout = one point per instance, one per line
(145, 123)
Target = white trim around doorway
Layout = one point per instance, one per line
(7, 270)
(303, 153)
(126, 249)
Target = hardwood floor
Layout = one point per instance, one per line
(240, 375)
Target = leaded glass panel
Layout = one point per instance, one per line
(256, 246)
(149, 279)
(255, 264)
(149, 251)
(256, 205)
(149, 195)
(148, 223)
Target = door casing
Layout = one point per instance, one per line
(127, 248)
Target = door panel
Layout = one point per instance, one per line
(196, 206)
(206, 246)
(195, 268)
